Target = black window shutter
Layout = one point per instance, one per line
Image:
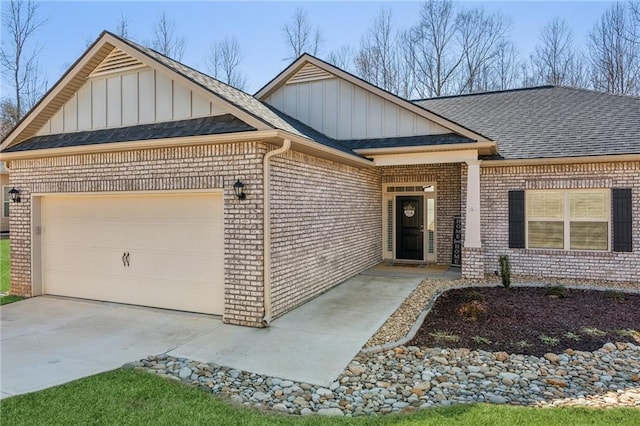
(516, 219)
(622, 222)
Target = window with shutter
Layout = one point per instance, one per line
(622, 219)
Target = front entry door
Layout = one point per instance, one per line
(410, 228)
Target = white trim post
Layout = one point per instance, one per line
(472, 227)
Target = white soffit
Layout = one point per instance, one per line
(307, 73)
(438, 157)
(116, 61)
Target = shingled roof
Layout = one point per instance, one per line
(548, 121)
(215, 125)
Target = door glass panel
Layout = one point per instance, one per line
(431, 225)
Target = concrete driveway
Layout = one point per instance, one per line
(47, 341)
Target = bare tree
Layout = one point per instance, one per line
(480, 36)
(20, 61)
(224, 62)
(436, 58)
(300, 37)
(342, 57)
(7, 117)
(122, 27)
(504, 71)
(165, 40)
(613, 54)
(555, 59)
(379, 59)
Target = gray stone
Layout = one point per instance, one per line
(330, 412)
(260, 396)
(497, 399)
(280, 407)
(184, 372)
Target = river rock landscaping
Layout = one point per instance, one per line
(406, 378)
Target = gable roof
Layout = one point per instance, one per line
(548, 121)
(245, 107)
(305, 60)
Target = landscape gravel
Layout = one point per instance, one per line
(382, 380)
(405, 379)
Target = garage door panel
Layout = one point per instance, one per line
(175, 245)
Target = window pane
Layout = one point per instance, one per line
(589, 205)
(5, 193)
(548, 205)
(589, 235)
(546, 235)
(5, 207)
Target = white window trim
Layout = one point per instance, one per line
(7, 201)
(567, 218)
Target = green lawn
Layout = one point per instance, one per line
(127, 397)
(5, 267)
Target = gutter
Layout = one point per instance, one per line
(266, 202)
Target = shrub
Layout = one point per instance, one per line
(474, 295)
(505, 270)
(472, 310)
(548, 340)
(558, 291)
(481, 340)
(572, 336)
(592, 331)
(445, 336)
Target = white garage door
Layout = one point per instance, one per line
(163, 251)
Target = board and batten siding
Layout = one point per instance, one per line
(126, 99)
(342, 110)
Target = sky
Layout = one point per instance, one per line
(71, 26)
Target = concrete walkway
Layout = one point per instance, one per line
(48, 341)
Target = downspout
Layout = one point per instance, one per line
(267, 228)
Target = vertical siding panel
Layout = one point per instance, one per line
(200, 106)
(84, 107)
(181, 102)
(316, 107)
(290, 104)
(330, 127)
(164, 98)
(146, 97)
(390, 119)
(129, 99)
(345, 109)
(406, 121)
(114, 101)
(374, 118)
(71, 114)
(57, 122)
(303, 103)
(359, 116)
(99, 103)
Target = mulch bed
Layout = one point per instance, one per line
(526, 320)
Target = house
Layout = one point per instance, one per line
(145, 181)
(5, 187)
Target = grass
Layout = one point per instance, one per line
(126, 397)
(5, 267)
(593, 331)
(549, 340)
(5, 300)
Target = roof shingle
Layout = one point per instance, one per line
(548, 121)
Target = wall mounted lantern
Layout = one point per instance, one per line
(14, 195)
(238, 189)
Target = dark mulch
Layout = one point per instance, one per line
(515, 318)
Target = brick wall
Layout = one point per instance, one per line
(201, 167)
(448, 202)
(497, 181)
(326, 226)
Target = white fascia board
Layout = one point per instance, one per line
(425, 158)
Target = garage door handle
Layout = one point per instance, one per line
(124, 258)
(127, 259)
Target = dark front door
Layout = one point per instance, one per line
(409, 228)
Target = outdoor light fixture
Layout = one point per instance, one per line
(238, 190)
(14, 194)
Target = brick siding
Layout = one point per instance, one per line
(199, 167)
(497, 181)
(326, 226)
(448, 201)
